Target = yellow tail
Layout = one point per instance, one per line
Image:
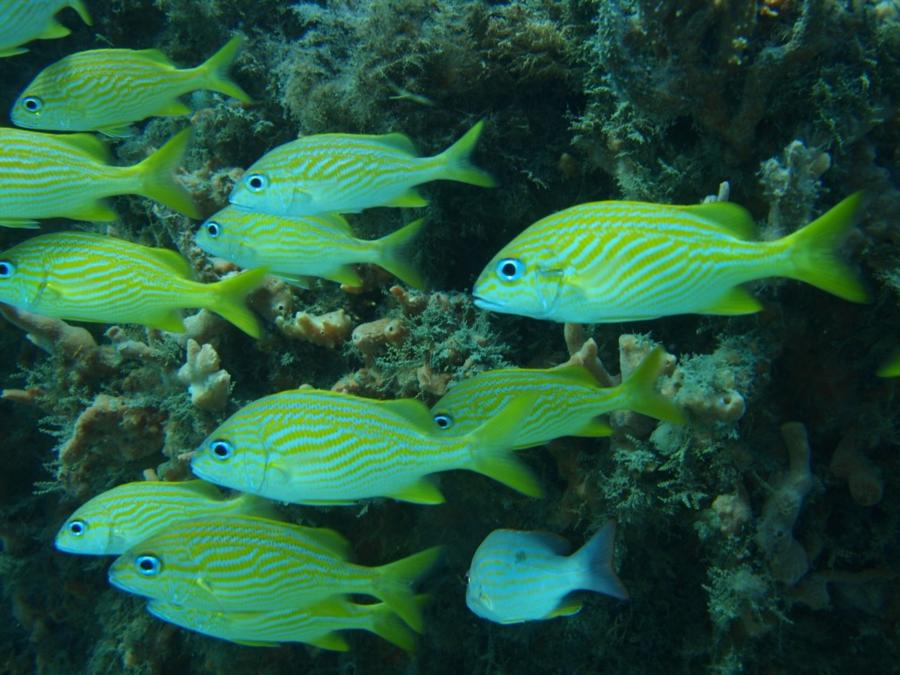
(156, 176)
(214, 72)
(227, 298)
(813, 252)
(394, 250)
(640, 390)
(458, 161)
(394, 585)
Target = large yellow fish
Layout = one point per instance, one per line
(310, 446)
(622, 261)
(295, 248)
(24, 20)
(107, 89)
(346, 173)
(68, 176)
(242, 563)
(119, 518)
(316, 625)
(566, 401)
(85, 276)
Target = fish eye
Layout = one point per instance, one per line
(7, 269)
(77, 528)
(221, 450)
(443, 420)
(256, 182)
(510, 269)
(148, 565)
(32, 104)
(213, 229)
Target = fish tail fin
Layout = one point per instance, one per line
(641, 394)
(458, 161)
(79, 6)
(595, 559)
(395, 581)
(394, 249)
(813, 252)
(493, 455)
(388, 626)
(156, 176)
(227, 298)
(215, 70)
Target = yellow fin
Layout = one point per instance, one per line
(214, 72)
(155, 55)
(329, 540)
(412, 410)
(20, 223)
(596, 428)
(422, 491)
(388, 626)
(458, 160)
(78, 6)
(169, 321)
(396, 141)
(395, 249)
(53, 30)
(729, 216)
(299, 281)
(639, 390)
(156, 176)
(735, 301)
(12, 51)
(334, 221)
(409, 199)
(87, 143)
(330, 641)
(346, 275)
(566, 608)
(124, 131)
(97, 212)
(493, 453)
(173, 260)
(395, 582)
(227, 299)
(173, 108)
(256, 643)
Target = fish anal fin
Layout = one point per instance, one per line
(735, 301)
(346, 275)
(567, 607)
(169, 321)
(422, 491)
(173, 108)
(331, 641)
(53, 30)
(596, 428)
(409, 199)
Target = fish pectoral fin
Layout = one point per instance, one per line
(124, 131)
(169, 321)
(98, 212)
(53, 30)
(422, 491)
(567, 607)
(331, 641)
(173, 108)
(595, 428)
(735, 301)
(409, 199)
(20, 223)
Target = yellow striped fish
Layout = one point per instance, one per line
(297, 247)
(309, 446)
(117, 519)
(530, 576)
(566, 401)
(107, 89)
(316, 625)
(622, 261)
(242, 563)
(68, 176)
(346, 173)
(22, 21)
(85, 276)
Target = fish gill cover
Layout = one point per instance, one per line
(759, 536)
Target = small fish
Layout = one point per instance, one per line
(566, 401)
(85, 276)
(243, 563)
(316, 625)
(346, 173)
(311, 446)
(530, 576)
(107, 89)
(22, 21)
(622, 261)
(68, 176)
(115, 520)
(891, 368)
(295, 248)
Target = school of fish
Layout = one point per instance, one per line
(225, 564)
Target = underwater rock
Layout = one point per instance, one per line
(208, 385)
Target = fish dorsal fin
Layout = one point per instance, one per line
(732, 218)
(575, 373)
(174, 261)
(155, 55)
(412, 410)
(198, 487)
(88, 143)
(333, 221)
(397, 142)
(329, 540)
(552, 542)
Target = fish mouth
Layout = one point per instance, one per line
(489, 305)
